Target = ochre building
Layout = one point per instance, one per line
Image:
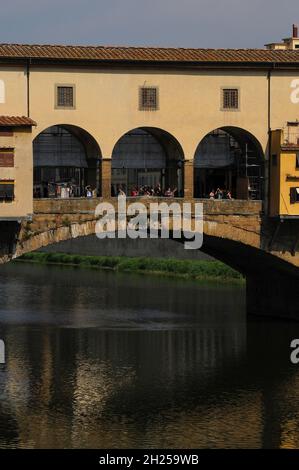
(78, 121)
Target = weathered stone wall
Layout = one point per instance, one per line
(87, 205)
(237, 220)
(241, 223)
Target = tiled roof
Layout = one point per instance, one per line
(146, 54)
(16, 121)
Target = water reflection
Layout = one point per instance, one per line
(100, 360)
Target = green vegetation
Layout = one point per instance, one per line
(187, 269)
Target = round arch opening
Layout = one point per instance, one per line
(229, 163)
(67, 163)
(147, 161)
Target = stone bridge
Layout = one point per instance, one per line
(235, 232)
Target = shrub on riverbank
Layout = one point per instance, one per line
(188, 269)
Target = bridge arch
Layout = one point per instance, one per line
(147, 158)
(233, 240)
(67, 160)
(231, 159)
(235, 233)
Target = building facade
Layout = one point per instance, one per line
(77, 120)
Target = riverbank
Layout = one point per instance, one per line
(185, 269)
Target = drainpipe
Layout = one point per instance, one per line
(28, 86)
(267, 202)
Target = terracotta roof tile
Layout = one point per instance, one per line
(16, 121)
(155, 54)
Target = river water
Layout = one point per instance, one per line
(96, 359)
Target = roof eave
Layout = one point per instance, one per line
(149, 63)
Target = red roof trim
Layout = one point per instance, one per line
(147, 54)
(16, 121)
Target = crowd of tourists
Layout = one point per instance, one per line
(220, 194)
(69, 190)
(156, 191)
(63, 191)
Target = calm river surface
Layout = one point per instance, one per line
(102, 360)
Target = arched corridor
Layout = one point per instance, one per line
(147, 161)
(66, 163)
(229, 163)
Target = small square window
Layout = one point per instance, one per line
(65, 96)
(148, 98)
(297, 161)
(230, 98)
(7, 190)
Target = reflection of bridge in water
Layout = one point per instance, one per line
(235, 232)
(197, 381)
(83, 349)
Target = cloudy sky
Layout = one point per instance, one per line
(186, 23)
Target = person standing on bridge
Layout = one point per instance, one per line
(219, 194)
(134, 192)
(88, 191)
(121, 192)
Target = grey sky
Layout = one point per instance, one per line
(185, 23)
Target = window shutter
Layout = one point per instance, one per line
(6, 158)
